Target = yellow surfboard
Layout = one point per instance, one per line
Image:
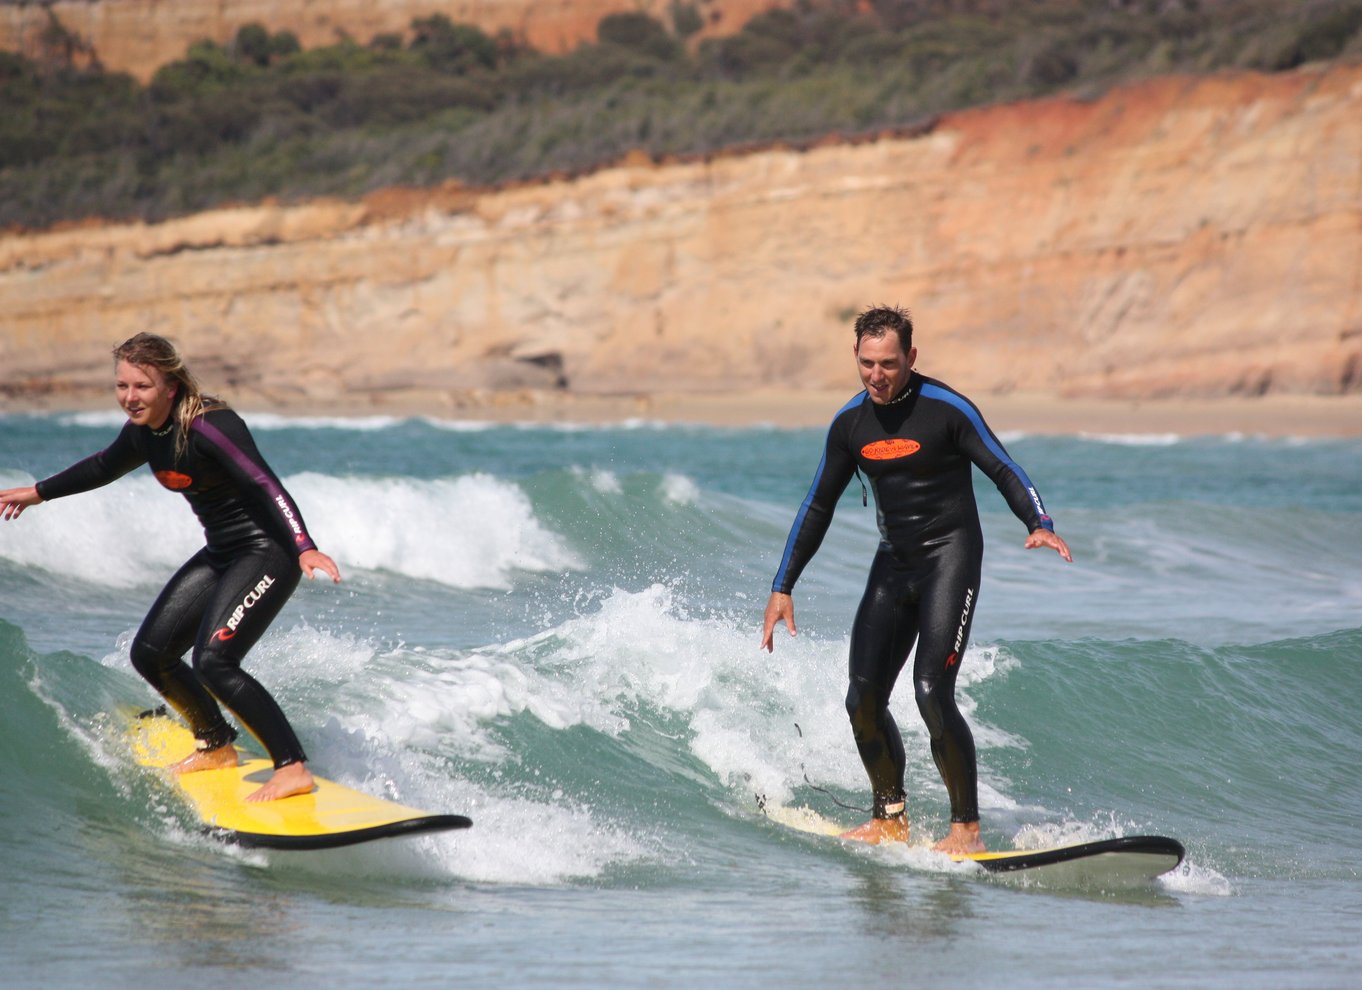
(330, 815)
(1120, 861)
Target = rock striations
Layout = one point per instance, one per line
(1184, 237)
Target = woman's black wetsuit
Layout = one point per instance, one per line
(225, 596)
(924, 581)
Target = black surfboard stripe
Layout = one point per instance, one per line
(334, 840)
(1159, 845)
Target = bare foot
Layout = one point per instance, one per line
(962, 840)
(207, 759)
(879, 830)
(287, 781)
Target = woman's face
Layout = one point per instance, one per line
(144, 394)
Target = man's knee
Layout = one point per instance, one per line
(864, 706)
(929, 705)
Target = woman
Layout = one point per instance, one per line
(224, 598)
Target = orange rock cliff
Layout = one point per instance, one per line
(1182, 237)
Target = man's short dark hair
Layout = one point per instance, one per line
(879, 320)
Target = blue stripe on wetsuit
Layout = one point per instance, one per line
(808, 499)
(930, 391)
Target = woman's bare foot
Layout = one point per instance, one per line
(962, 840)
(879, 830)
(288, 780)
(207, 759)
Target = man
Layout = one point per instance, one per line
(914, 439)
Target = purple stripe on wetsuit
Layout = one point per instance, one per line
(279, 498)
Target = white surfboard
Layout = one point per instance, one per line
(1118, 861)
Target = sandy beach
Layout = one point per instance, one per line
(1271, 415)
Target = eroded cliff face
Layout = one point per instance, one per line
(139, 36)
(1182, 237)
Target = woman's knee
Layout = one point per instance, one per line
(151, 662)
(215, 668)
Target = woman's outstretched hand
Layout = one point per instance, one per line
(15, 500)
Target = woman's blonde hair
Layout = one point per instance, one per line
(149, 350)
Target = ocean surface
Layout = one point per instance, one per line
(554, 631)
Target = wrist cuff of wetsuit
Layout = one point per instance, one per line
(1047, 523)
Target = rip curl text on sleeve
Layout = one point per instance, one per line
(229, 440)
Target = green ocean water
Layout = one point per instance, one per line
(555, 632)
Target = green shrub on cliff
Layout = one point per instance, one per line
(640, 33)
(260, 116)
(455, 48)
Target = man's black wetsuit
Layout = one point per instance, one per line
(222, 600)
(916, 453)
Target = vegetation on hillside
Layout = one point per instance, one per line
(262, 117)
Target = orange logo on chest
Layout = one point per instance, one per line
(889, 450)
(174, 480)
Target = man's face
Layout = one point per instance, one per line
(883, 366)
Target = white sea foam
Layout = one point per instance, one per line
(759, 722)
(396, 717)
(97, 419)
(474, 531)
(109, 536)
(679, 489)
(1194, 878)
(394, 727)
(1134, 439)
(570, 840)
(603, 481)
(639, 649)
(358, 424)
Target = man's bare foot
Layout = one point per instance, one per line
(287, 781)
(879, 830)
(207, 759)
(962, 840)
